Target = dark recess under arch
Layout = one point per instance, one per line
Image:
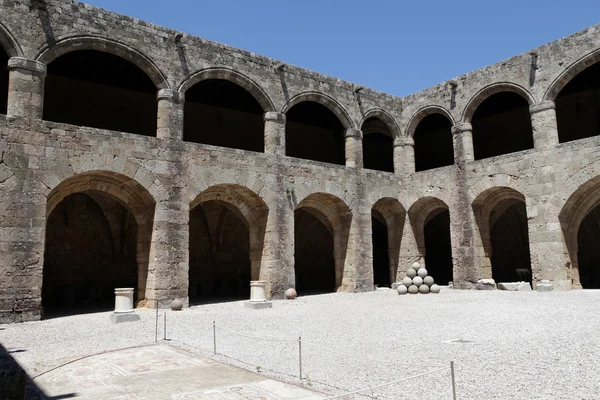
(433, 143)
(3, 81)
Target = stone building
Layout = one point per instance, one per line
(132, 155)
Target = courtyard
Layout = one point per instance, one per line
(517, 345)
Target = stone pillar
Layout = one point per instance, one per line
(169, 123)
(354, 150)
(463, 142)
(399, 156)
(409, 250)
(26, 88)
(543, 124)
(358, 266)
(408, 150)
(274, 133)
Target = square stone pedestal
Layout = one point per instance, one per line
(116, 318)
(258, 305)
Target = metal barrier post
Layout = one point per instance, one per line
(214, 338)
(156, 328)
(300, 356)
(165, 327)
(453, 381)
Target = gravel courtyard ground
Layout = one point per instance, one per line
(505, 345)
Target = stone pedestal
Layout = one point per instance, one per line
(124, 306)
(258, 299)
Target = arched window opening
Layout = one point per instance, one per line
(438, 249)
(313, 132)
(511, 261)
(100, 90)
(501, 125)
(219, 249)
(378, 146)
(314, 261)
(433, 143)
(588, 253)
(91, 247)
(3, 81)
(219, 112)
(381, 259)
(578, 106)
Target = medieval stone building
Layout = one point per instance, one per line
(132, 155)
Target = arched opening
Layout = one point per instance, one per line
(313, 132)
(100, 90)
(433, 143)
(578, 106)
(588, 245)
(314, 261)
(219, 112)
(381, 259)
(90, 249)
(501, 125)
(3, 81)
(438, 248)
(378, 145)
(219, 253)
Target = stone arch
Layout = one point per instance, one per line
(417, 117)
(569, 73)
(334, 106)
(233, 76)
(69, 44)
(421, 212)
(119, 189)
(251, 209)
(9, 43)
(386, 118)
(336, 216)
(490, 90)
(392, 214)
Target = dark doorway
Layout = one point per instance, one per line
(3, 81)
(511, 261)
(438, 249)
(502, 125)
(588, 240)
(381, 260)
(578, 106)
(433, 143)
(313, 132)
(219, 253)
(378, 146)
(221, 113)
(314, 262)
(100, 90)
(91, 245)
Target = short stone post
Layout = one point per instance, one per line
(124, 306)
(354, 150)
(258, 298)
(543, 124)
(169, 123)
(26, 88)
(463, 143)
(274, 133)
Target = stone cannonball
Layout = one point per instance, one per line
(422, 272)
(402, 289)
(291, 294)
(416, 266)
(434, 289)
(423, 289)
(417, 281)
(176, 305)
(407, 281)
(428, 280)
(411, 273)
(413, 289)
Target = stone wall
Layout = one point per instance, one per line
(160, 179)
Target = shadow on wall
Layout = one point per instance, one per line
(15, 384)
(3, 81)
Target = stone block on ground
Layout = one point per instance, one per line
(514, 286)
(486, 284)
(258, 305)
(117, 318)
(395, 285)
(544, 286)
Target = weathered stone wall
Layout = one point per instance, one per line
(159, 179)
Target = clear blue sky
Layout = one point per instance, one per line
(395, 46)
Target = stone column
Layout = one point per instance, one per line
(354, 150)
(274, 133)
(26, 88)
(409, 250)
(358, 265)
(169, 123)
(543, 124)
(463, 142)
(408, 149)
(399, 156)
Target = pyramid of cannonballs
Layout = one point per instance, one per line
(417, 280)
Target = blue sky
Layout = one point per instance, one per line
(395, 46)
